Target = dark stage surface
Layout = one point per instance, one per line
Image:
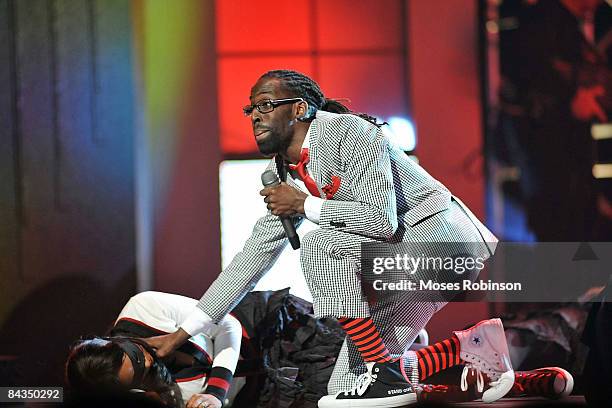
(572, 401)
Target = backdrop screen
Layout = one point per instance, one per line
(241, 206)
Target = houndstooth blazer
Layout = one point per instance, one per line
(383, 194)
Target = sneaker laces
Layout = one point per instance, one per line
(361, 384)
(532, 382)
(479, 378)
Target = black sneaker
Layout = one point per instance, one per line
(382, 386)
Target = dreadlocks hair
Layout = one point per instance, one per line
(302, 86)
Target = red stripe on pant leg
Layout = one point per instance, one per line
(219, 382)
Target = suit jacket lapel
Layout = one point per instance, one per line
(313, 165)
(281, 167)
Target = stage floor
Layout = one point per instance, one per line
(572, 401)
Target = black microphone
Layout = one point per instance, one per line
(270, 179)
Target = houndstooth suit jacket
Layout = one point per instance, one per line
(383, 194)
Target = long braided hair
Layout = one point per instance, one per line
(302, 86)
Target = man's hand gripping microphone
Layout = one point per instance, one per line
(270, 179)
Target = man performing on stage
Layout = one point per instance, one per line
(344, 175)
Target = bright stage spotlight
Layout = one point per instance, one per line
(401, 132)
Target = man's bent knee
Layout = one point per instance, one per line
(317, 241)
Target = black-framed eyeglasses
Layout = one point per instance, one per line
(268, 105)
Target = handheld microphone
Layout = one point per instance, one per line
(270, 179)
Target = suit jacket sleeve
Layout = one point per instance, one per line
(259, 253)
(365, 155)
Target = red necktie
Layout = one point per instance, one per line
(303, 173)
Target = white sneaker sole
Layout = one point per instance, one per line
(499, 388)
(330, 401)
(569, 384)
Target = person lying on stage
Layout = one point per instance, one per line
(197, 375)
(104, 363)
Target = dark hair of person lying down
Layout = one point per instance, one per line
(93, 364)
